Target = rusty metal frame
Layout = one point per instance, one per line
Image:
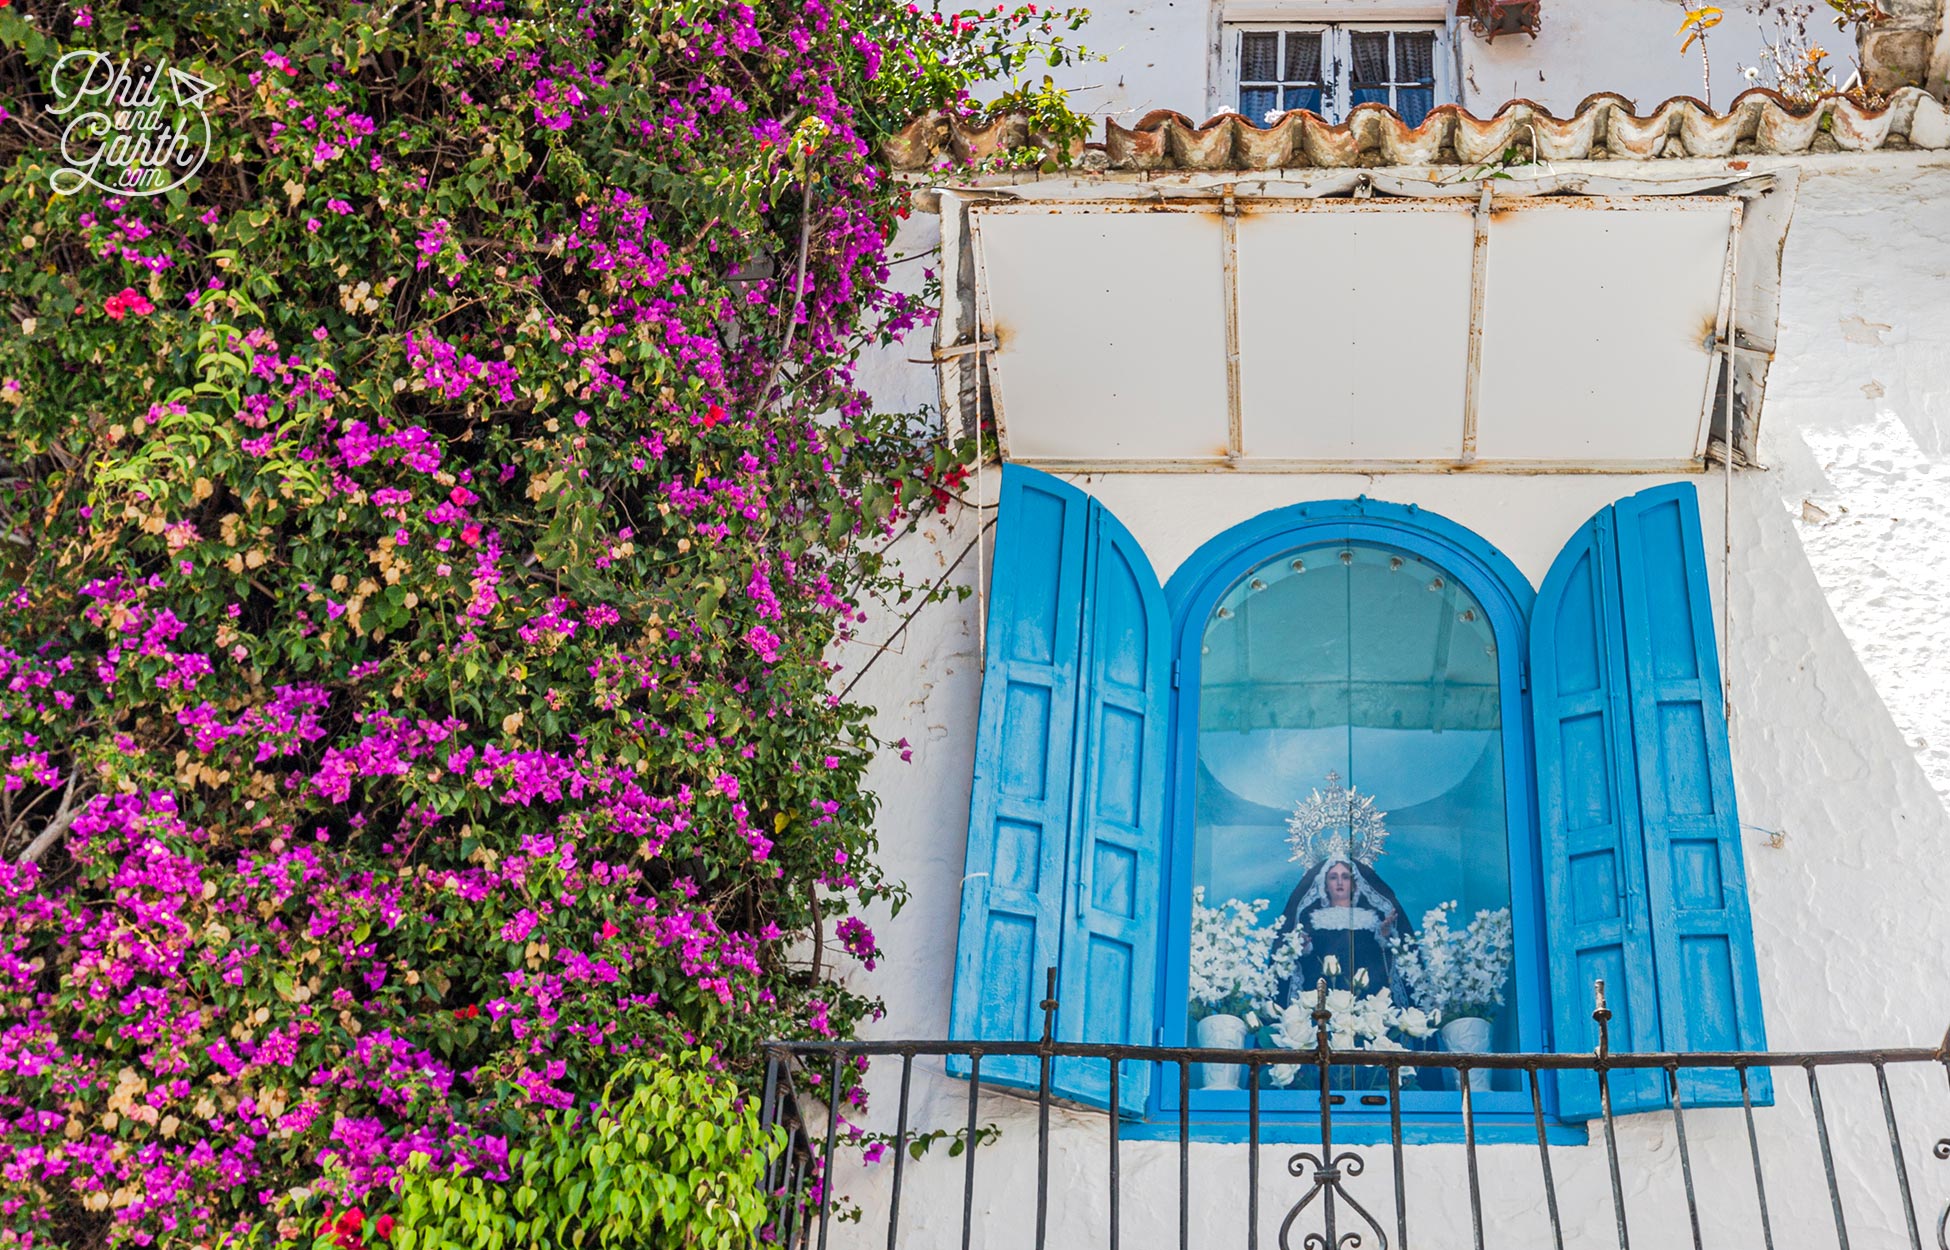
(1365, 468)
(946, 350)
(1235, 417)
(981, 301)
(1479, 258)
(1230, 205)
(1723, 329)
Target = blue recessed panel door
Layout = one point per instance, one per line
(1709, 989)
(1597, 919)
(1012, 911)
(1110, 948)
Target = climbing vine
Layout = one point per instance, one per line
(425, 533)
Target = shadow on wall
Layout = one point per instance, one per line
(1845, 823)
(925, 684)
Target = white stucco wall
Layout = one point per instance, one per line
(1161, 55)
(1839, 658)
(1627, 46)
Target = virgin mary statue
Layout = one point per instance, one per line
(1342, 910)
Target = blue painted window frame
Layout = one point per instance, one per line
(1506, 596)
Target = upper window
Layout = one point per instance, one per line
(1330, 69)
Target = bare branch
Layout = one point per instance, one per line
(57, 826)
(798, 299)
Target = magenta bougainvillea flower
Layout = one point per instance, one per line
(416, 693)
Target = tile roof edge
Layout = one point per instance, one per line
(1603, 127)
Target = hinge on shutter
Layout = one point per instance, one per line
(1174, 674)
(1523, 676)
(1158, 1036)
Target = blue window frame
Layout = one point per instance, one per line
(1620, 828)
(1342, 580)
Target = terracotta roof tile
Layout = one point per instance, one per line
(1604, 127)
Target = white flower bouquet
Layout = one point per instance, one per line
(1456, 974)
(1237, 964)
(1355, 1022)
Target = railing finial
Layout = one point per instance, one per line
(1049, 1005)
(1602, 1014)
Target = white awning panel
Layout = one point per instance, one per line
(1529, 332)
(1081, 333)
(1327, 303)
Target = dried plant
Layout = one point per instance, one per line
(1795, 64)
(1698, 21)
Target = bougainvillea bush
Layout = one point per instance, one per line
(424, 533)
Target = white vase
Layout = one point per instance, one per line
(1469, 1035)
(1220, 1033)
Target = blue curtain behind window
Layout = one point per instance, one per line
(1303, 98)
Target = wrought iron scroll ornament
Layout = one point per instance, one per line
(1942, 1151)
(1328, 1176)
(1327, 1168)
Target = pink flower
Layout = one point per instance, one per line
(127, 300)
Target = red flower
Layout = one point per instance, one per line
(609, 930)
(383, 1227)
(351, 1220)
(471, 535)
(468, 1012)
(127, 300)
(950, 481)
(714, 415)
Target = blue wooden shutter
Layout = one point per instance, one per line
(1709, 989)
(1066, 818)
(1019, 809)
(1587, 809)
(1108, 979)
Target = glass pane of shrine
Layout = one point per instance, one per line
(1350, 821)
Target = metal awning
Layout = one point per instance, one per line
(1437, 329)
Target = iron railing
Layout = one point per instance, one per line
(1327, 1215)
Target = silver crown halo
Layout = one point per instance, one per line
(1336, 823)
